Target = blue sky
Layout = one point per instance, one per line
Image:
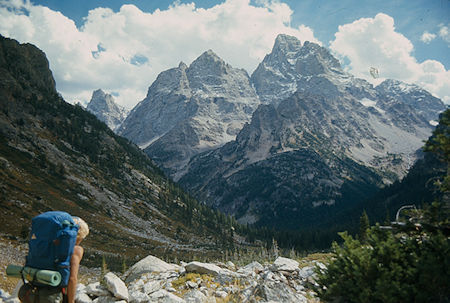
(121, 46)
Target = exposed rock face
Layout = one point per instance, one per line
(102, 105)
(24, 69)
(191, 109)
(292, 67)
(393, 92)
(323, 136)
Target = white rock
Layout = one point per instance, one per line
(151, 287)
(248, 269)
(104, 299)
(116, 286)
(81, 288)
(12, 300)
(281, 293)
(195, 296)
(320, 265)
(148, 265)
(4, 294)
(163, 296)
(138, 297)
(221, 294)
(284, 264)
(203, 268)
(191, 284)
(97, 290)
(306, 272)
(82, 298)
(230, 265)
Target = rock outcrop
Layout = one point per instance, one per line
(197, 282)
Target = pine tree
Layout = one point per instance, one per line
(363, 227)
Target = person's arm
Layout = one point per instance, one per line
(73, 278)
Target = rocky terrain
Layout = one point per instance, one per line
(153, 280)
(189, 110)
(56, 156)
(102, 105)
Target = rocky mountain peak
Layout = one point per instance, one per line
(106, 109)
(291, 66)
(207, 65)
(191, 109)
(285, 43)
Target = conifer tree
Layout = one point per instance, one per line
(363, 227)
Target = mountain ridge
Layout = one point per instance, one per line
(56, 156)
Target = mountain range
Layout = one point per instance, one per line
(294, 143)
(56, 156)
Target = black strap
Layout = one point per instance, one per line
(21, 274)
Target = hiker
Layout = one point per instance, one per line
(37, 293)
(75, 260)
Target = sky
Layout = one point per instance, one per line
(122, 46)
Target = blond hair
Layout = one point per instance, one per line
(83, 230)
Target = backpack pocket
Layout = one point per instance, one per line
(64, 245)
(40, 254)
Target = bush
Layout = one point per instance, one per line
(391, 267)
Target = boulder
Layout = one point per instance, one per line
(249, 269)
(148, 265)
(81, 288)
(104, 299)
(204, 268)
(82, 298)
(306, 272)
(138, 297)
(97, 290)
(284, 264)
(279, 292)
(191, 284)
(163, 296)
(221, 294)
(196, 296)
(231, 266)
(151, 287)
(116, 286)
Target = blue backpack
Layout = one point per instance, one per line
(53, 237)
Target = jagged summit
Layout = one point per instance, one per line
(191, 109)
(285, 43)
(104, 107)
(292, 66)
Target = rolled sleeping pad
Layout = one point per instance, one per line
(44, 276)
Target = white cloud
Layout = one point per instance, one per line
(444, 33)
(427, 37)
(374, 42)
(124, 51)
